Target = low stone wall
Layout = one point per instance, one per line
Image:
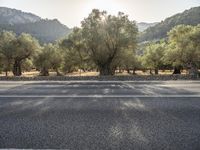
(103, 78)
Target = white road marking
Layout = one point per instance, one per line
(100, 96)
(108, 81)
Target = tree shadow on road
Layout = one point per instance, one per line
(100, 123)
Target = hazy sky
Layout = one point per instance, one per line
(71, 12)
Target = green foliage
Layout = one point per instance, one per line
(48, 58)
(129, 61)
(27, 65)
(24, 47)
(106, 37)
(15, 50)
(6, 52)
(184, 46)
(153, 56)
(74, 52)
(1, 63)
(104, 43)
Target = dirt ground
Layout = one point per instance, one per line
(36, 73)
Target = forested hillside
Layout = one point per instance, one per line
(13, 16)
(143, 25)
(188, 17)
(43, 29)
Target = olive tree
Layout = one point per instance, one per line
(48, 58)
(24, 47)
(106, 37)
(1, 63)
(6, 50)
(153, 56)
(74, 52)
(129, 61)
(184, 48)
(27, 65)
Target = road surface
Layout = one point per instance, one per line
(100, 115)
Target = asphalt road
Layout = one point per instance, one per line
(100, 115)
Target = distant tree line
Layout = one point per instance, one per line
(104, 43)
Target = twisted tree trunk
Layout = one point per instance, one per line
(6, 72)
(58, 72)
(134, 71)
(150, 71)
(17, 68)
(44, 72)
(177, 70)
(106, 70)
(156, 71)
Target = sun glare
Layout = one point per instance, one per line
(111, 6)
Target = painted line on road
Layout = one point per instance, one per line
(107, 81)
(99, 96)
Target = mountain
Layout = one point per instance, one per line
(143, 25)
(13, 16)
(44, 30)
(188, 17)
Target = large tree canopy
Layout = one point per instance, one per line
(153, 56)
(23, 48)
(6, 51)
(74, 51)
(15, 50)
(106, 37)
(48, 58)
(184, 47)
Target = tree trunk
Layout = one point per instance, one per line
(156, 71)
(17, 68)
(177, 70)
(193, 70)
(120, 70)
(106, 70)
(58, 72)
(44, 72)
(134, 71)
(82, 68)
(151, 71)
(6, 72)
